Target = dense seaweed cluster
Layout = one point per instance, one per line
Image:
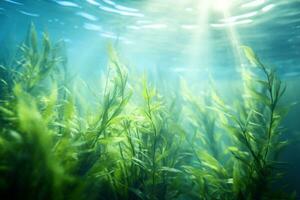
(133, 142)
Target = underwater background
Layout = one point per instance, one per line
(149, 99)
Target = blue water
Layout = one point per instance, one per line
(191, 38)
(187, 36)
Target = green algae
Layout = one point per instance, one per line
(135, 142)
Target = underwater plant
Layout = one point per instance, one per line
(132, 141)
(28, 167)
(255, 127)
(207, 171)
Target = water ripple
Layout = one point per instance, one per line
(125, 13)
(13, 2)
(87, 16)
(92, 27)
(29, 13)
(67, 3)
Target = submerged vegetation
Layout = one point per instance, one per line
(132, 142)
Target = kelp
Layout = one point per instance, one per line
(133, 141)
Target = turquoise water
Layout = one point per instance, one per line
(195, 40)
(184, 36)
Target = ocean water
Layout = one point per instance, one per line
(198, 43)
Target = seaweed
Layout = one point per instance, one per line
(208, 170)
(28, 167)
(257, 133)
(132, 141)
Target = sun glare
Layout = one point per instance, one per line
(222, 5)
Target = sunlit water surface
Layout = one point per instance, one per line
(184, 35)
